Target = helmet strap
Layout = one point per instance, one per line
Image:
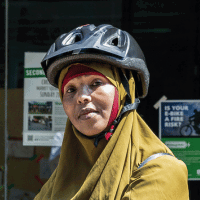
(125, 83)
(127, 107)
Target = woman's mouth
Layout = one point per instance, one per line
(86, 113)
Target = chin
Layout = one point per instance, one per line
(91, 131)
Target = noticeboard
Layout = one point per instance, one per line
(44, 115)
(179, 129)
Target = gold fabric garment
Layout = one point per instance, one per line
(110, 170)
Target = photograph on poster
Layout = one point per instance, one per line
(38, 122)
(38, 107)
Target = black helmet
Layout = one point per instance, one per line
(103, 43)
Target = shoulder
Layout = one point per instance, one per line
(168, 164)
(165, 177)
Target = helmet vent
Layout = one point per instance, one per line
(115, 42)
(72, 38)
(77, 38)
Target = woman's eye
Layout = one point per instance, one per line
(70, 90)
(97, 83)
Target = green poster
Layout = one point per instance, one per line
(179, 129)
(187, 150)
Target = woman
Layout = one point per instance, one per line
(108, 151)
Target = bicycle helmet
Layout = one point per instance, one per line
(103, 43)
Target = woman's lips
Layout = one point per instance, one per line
(86, 113)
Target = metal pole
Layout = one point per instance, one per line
(6, 100)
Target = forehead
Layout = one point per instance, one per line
(86, 78)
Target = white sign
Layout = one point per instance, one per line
(43, 110)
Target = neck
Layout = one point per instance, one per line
(93, 145)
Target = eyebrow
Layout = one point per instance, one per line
(94, 77)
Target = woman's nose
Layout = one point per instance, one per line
(84, 95)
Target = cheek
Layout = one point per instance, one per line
(109, 93)
(109, 90)
(67, 106)
(65, 109)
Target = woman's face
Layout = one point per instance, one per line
(87, 101)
